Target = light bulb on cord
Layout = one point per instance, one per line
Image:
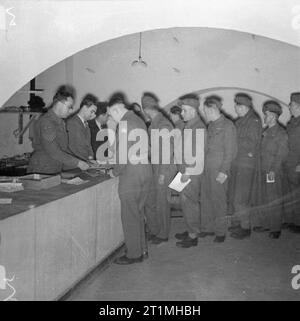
(139, 61)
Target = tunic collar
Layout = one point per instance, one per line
(82, 120)
(249, 114)
(192, 122)
(217, 121)
(98, 124)
(54, 117)
(272, 131)
(126, 115)
(296, 121)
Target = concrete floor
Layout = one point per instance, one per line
(253, 269)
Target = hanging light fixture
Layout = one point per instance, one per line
(140, 61)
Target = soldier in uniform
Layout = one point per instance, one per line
(292, 164)
(190, 196)
(220, 151)
(243, 169)
(50, 139)
(99, 124)
(176, 117)
(274, 150)
(134, 182)
(79, 133)
(137, 108)
(158, 212)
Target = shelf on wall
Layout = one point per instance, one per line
(36, 91)
(20, 131)
(14, 111)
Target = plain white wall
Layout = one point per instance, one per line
(182, 60)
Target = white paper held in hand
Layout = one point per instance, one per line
(177, 185)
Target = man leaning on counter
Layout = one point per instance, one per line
(50, 139)
(79, 133)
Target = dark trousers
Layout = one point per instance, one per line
(213, 203)
(158, 208)
(133, 193)
(291, 187)
(271, 208)
(240, 188)
(190, 204)
(151, 210)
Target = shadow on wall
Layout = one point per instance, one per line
(228, 93)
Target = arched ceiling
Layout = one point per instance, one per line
(35, 35)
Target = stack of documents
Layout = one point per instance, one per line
(177, 185)
(11, 187)
(74, 181)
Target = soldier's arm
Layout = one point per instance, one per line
(118, 169)
(280, 155)
(50, 145)
(293, 158)
(76, 143)
(164, 168)
(196, 168)
(253, 137)
(230, 148)
(296, 145)
(90, 148)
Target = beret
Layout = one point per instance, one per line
(190, 100)
(149, 102)
(213, 100)
(101, 108)
(272, 106)
(175, 110)
(243, 99)
(295, 97)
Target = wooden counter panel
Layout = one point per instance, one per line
(24, 199)
(17, 255)
(53, 248)
(109, 235)
(83, 233)
(49, 248)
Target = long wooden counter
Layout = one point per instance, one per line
(23, 200)
(51, 239)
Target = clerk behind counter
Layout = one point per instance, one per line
(50, 139)
(78, 129)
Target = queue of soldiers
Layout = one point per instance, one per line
(250, 179)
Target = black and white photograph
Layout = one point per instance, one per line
(150, 152)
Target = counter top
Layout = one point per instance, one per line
(26, 199)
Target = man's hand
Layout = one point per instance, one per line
(93, 163)
(221, 178)
(111, 174)
(184, 178)
(110, 154)
(271, 177)
(83, 165)
(161, 179)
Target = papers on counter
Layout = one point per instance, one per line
(11, 187)
(8, 179)
(74, 181)
(177, 185)
(5, 200)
